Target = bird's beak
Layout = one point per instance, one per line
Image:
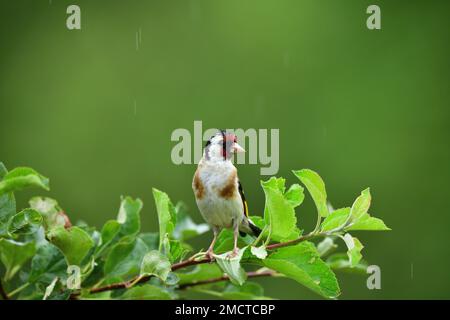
(237, 148)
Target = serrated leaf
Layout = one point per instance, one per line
(21, 178)
(303, 264)
(125, 258)
(14, 254)
(336, 219)
(129, 216)
(178, 250)
(354, 247)
(368, 223)
(166, 215)
(232, 266)
(279, 212)
(26, 221)
(316, 188)
(146, 292)
(75, 243)
(155, 263)
(361, 205)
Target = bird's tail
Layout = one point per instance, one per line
(248, 227)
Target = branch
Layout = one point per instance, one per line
(252, 274)
(3, 292)
(191, 262)
(136, 280)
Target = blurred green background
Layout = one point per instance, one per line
(93, 109)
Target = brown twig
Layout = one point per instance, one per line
(187, 263)
(126, 284)
(3, 292)
(252, 274)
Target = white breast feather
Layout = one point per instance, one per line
(216, 210)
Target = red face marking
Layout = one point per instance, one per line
(226, 138)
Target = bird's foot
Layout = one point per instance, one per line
(233, 253)
(210, 255)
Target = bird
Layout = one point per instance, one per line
(219, 193)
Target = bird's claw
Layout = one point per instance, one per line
(233, 253)
(210, 255)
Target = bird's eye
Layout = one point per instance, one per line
(235, 140)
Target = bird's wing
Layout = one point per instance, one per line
(241, 193)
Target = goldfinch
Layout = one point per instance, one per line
(219, 193)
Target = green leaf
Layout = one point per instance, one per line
(295, 195)
(340, 262)
(225, 241)
(26, 221)
(129, 216)
(151, 239)
(146, 292)
(185, 227)
(7, 210)
(14, 254)
(336, 219)
(178, 250)
(75, 243)
(3, 170)
(166, 215)
(109, 232)
(21, 178)
(7, 204)
(232, 266)
(248, 291)
(361, 205)
(354, 247)
(366, 222)
(251, 288)
(303, 264)
(279, 212)
(259, 252)
(199, 273)
(125, 258)
(316, 188)
(155, 263)
(48, 263)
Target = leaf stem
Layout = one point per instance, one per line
(319, 220)
(17, 290)
(254, 243)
